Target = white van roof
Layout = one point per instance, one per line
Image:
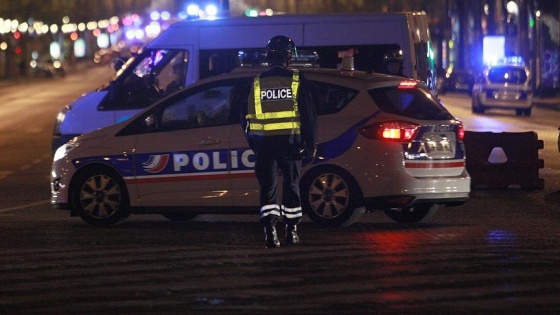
(305, 30)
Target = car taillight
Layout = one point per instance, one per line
(461, 132)
(399, 131)
(408, 84)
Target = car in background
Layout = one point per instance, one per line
(384, 143)
(457, 81)
(48, 68)
(505, 86)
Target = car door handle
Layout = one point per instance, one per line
(210, 141)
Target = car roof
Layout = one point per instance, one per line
(370, 80)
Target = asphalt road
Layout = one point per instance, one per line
(499, 253)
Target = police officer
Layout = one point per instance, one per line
(280, 125)
(393, 61)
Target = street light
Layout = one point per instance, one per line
(512, 8)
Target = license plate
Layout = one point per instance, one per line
(506, 95)
(439, 144)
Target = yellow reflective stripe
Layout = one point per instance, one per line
(257, 91)
(276, 126)
(274, 115)
(295, 86)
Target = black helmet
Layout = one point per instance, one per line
(393, 56)
(280, 48)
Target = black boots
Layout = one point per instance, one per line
(291, 234)
(270, 236)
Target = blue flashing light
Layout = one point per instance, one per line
(516, 60)
(211, 10)
(193, 10)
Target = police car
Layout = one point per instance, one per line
(384, 143)
(504, 86)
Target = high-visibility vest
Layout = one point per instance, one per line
(273, 107)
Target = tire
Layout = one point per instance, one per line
(100, 197)
(477, 108)
(413, 214)
(331, 197)
(519, 112)
(527, 112)
(180, 216)
(558, 141)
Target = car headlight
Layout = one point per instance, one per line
(63, 150)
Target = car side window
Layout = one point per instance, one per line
(208, 106)
(332, 98)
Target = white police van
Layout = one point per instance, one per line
(384, 143)
(192, 50)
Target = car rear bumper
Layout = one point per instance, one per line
(401, 193)
(506, 104)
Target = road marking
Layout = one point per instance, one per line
(33, 204)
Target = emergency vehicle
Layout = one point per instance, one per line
(384, 143)
(192, 50)
(503, 86)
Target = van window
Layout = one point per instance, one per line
(217, 61)
(367, 58)
(413, 102)
(173, 75)
(157, 74)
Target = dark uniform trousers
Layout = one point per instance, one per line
(267, 165)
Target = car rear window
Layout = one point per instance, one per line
(507, 75)
(411, 102)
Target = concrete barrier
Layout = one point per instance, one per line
(504, 160)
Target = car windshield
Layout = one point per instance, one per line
(409, 102)
(507, 75)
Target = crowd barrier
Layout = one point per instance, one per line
(504, 160)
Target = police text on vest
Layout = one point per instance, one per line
(276, 94)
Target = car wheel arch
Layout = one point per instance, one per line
(96, 169)
(354, 206)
